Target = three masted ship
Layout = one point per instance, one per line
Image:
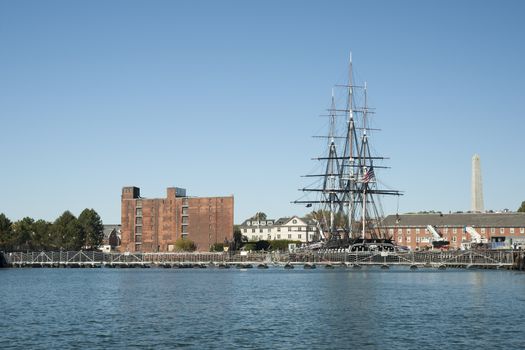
(344, 195)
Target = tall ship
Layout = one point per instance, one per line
(345, 192)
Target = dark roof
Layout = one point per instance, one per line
(280, 221)
(109, 228)
(466, 219)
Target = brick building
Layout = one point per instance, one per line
(153, 225)
(503, 229)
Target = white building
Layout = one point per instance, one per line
(294, 229)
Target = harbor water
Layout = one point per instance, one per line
(275, 308)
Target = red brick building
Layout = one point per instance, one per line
(153, 225)
(505, 229)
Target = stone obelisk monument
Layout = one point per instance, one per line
(476, 186)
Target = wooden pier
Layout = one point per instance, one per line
(487, 259)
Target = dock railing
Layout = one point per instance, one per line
(467, 259)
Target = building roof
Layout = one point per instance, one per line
(457, 219)
(109, 228)
(279, 222)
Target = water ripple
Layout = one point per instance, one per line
(261, 309)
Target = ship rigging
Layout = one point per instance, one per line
(345, 197)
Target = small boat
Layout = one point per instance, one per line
(288, 266)
(262, 266)
(309, 266)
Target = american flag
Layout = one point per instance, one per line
(369, 176)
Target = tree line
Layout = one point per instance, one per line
(67, 232)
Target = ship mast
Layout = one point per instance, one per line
(349, 179)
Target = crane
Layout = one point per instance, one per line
(437, 240)
(475, 239)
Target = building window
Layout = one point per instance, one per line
(408, 231)
(400, 239)
(418, 239)
(254, 237)
(184, 229)
(138, 203)
(138, 247)
(278, 229)
(492, 230)
(522, 230)
(184, 219)
(138, 230)
(138, 220)
(270, 222)
(299, 236)
(418, 231)
(483, 230)
(289, 236)
(279, 236)
(502, 230)
(269, 237)
(260, 230)
(138, 238)
(185, 211)
(391, 231)
(454, 239)
(289, 229)
(245, 230)
(294, 221)
(139, 211)
(400, 232)
(253, 230)
(446, 229)
(408, 239)
(511, 230)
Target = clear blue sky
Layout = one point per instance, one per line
(222, 97)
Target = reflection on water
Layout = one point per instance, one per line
(261, 309)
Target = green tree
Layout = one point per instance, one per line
(93, 228)
(281, 244)
(262, 245)
(6, 233)
(237, 238)
(185, 245)
(217, 247)
(67, 232)
(259, 216)
(522, 208)
(42, 235)
(323, 217)
(23, 234)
